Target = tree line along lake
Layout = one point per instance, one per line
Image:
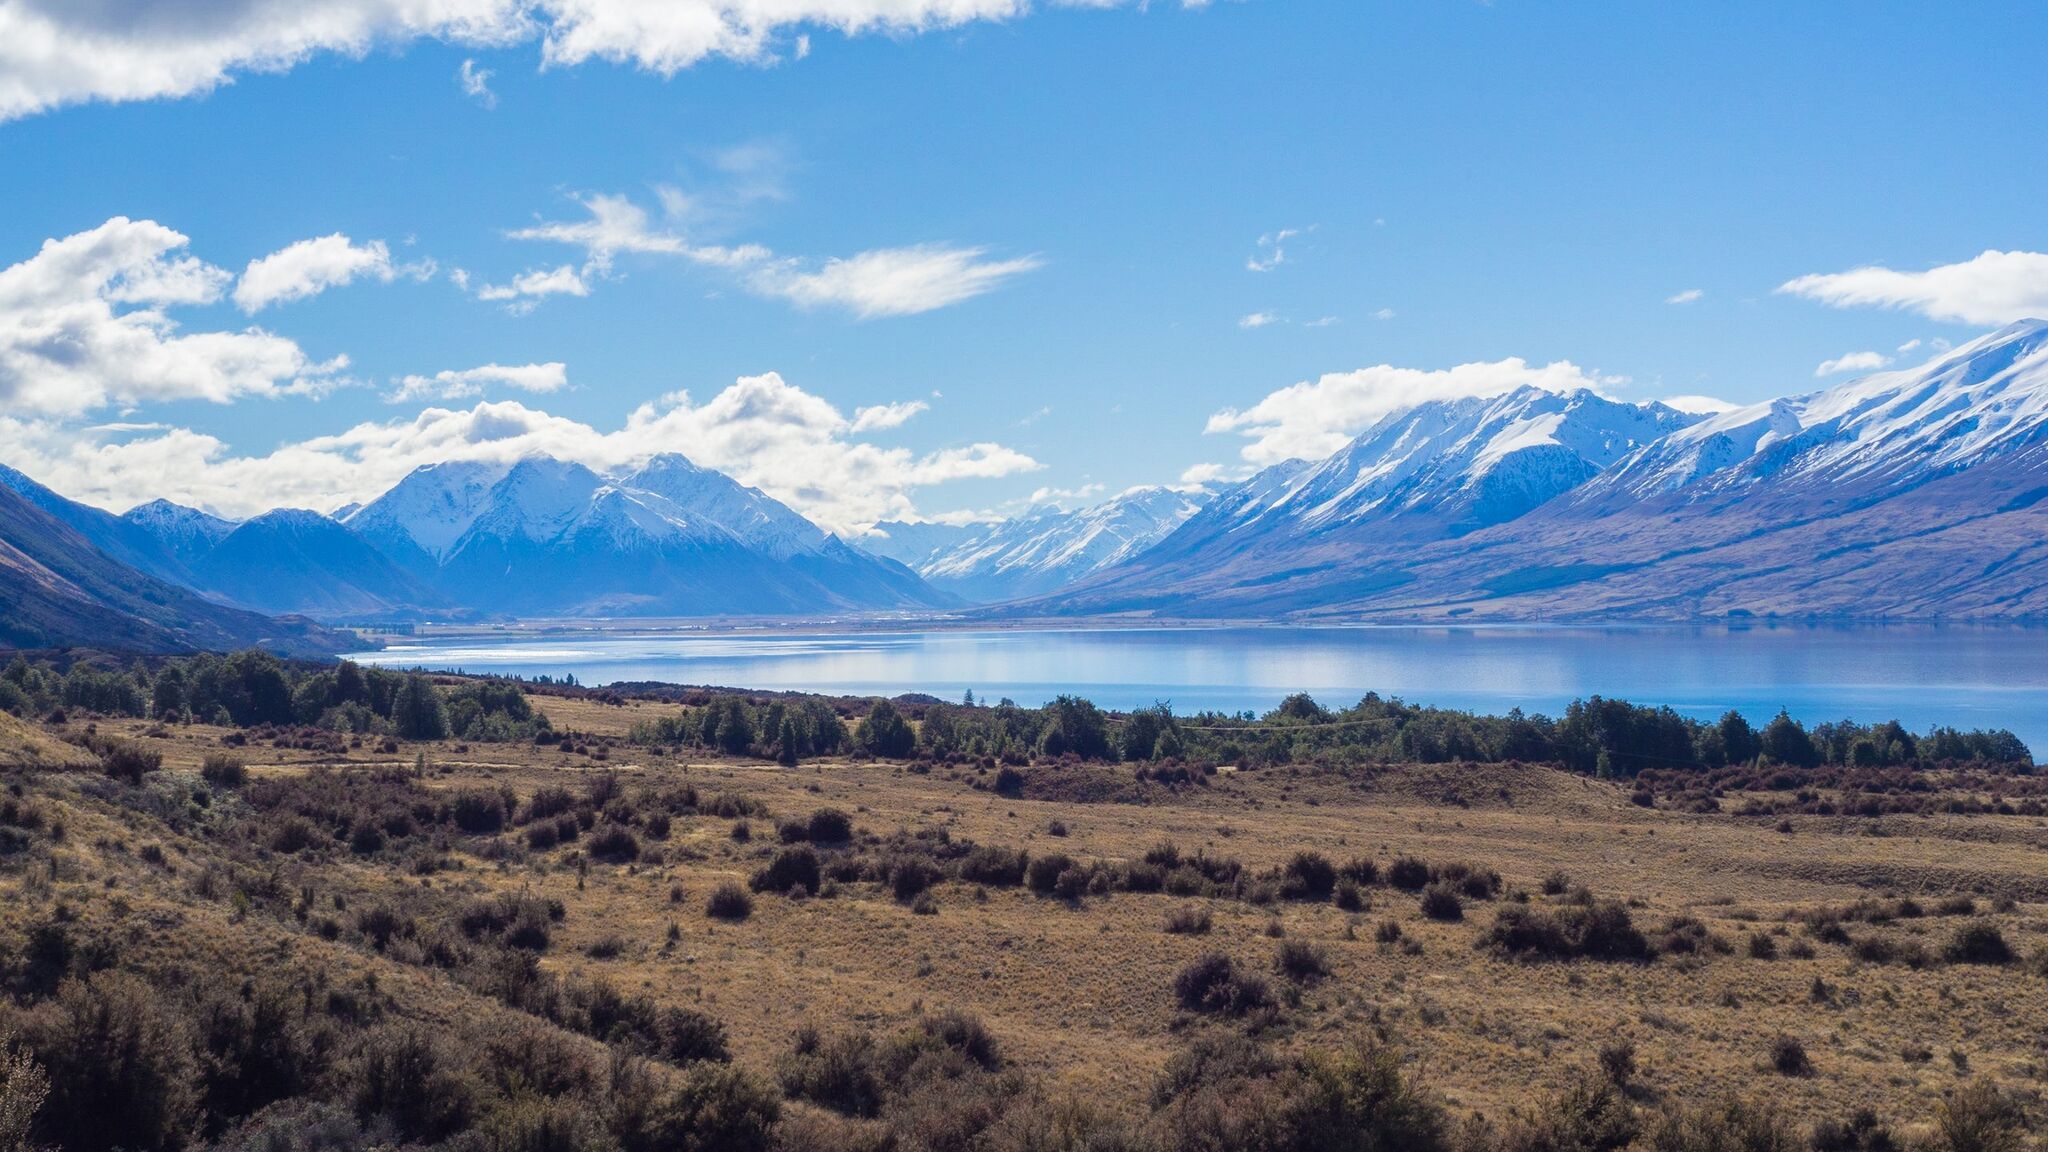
(1921, 675)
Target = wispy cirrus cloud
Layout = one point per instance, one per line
(1991, 288)
(877, 283)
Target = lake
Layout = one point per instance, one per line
(1921, 675)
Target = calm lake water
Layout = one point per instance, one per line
(1968, 677)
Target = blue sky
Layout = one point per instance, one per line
(1063, 207)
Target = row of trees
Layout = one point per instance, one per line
(1597, 736)
(251, 689)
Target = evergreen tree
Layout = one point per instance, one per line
(786, 744)
(418, 714)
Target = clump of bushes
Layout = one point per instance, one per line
(223, 771)
(995, 867)
(793, 867)
(1213, 984)
(729, 901)
(1600, 930)
(1978, 942)
(1440, 902)
(1301, 962)
(1788, 1057)
(1188, 920)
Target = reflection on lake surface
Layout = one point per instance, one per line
(1922, 675)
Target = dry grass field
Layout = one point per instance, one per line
(1081, 992)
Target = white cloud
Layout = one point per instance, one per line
(890, 281)
(1270, 253)
(57, 52)
(1202, 475)
(1321, 322)
(1992, 288)
(1384, 314)
(1690, 295)
(529, 288)
(455, 384)
(1256, 320)
(1909, 345)
(794, 445)
(83, 324)
(1853, 362)
(476, 83)
(1312, 419)
(1065, 499)
(881, 416)
(310, 267)
(1701, 405)
(877, 283)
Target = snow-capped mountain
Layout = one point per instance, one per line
(550, 537)
(1458, 465)
(1890, 429)
(1920, 493)
(186, 533)
(419, 520)
(1049, 549)
(1438, 470)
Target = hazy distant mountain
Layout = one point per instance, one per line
(292, 560)
(548, 537)
(58, 590)
(1049, 549)
(135, 543)
(911, 544)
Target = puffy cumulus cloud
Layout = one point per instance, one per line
(1992, 288)
(794, 445)
(310, 267)
(881, 282)
(455, 384)
(890, 281)
(83, 324)
(1314, 418)
(1853, 362)
(58, 52)
(1257, 320)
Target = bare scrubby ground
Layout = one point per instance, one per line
(1845, 935)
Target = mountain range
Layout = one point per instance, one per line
(1920, 493)
(1041, 551)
